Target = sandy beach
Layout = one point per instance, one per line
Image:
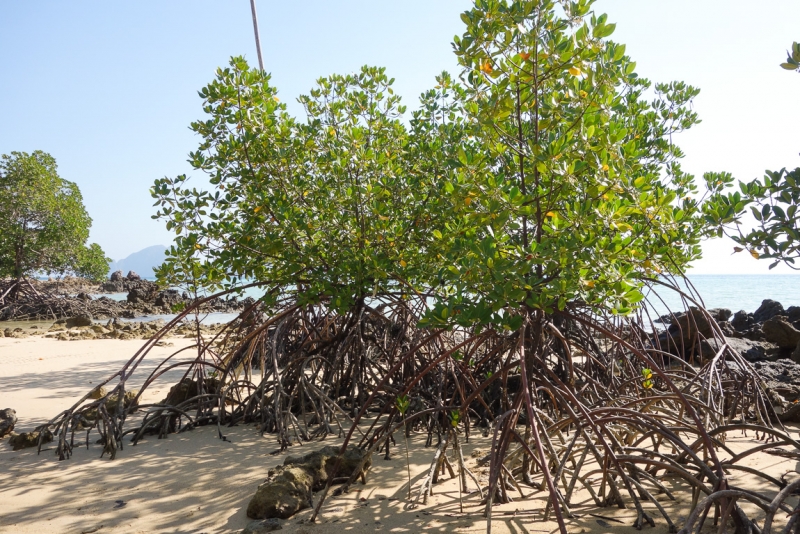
(195, 482)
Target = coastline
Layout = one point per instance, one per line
(178, 484)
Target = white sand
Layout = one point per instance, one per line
(195, 482)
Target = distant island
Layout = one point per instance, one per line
(141, 262)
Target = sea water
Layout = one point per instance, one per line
(734, 291)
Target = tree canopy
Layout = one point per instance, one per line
(43, 223)
(541, 176)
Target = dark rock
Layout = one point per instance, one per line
(793, 312)
(188, 388)
(323, 462)
(778, 330)
(742, 321)
(168, 298)
(83, 296)
(133, 276)
(720, 314)
(136, 296)
(79, 320)
(8, 418)
(752, 351)
(686, 326)
(288, 492)
(116, 276)
(289, 488)
(261, 527)
(115, 286)
(782, 376)
(27, 440)
(768, 310)
(728, 329)
(753, 334)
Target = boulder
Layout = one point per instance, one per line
(132, 276)
(768, 310)
(168, 298)
(27, 440)
(780, 331)
(290, 486)
(752, 351)
(323, 462)
(79, 320)
(781, 376)
(115, 286)
(98, 393)
(116, 276)
(137, 295)
(100, 329)
(686, 326)
(288, 492)
(262, 527)
(720, 314)
(742, 320)
(8, 418)
(187, 388)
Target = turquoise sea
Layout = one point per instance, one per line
(738, 291)
(733, 291)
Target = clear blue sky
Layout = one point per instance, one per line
(109, 88)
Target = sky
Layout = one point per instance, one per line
(110, 88)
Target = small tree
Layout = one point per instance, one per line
(43, 223)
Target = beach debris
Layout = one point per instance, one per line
(263, 526)
(290, 486)
(119, 504)
(8, 418)
(26, 440)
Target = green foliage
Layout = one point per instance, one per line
(543, 177)
(91, 262)
(43, 223)
(402, 403)
(772, 201)
(570, 188)
(792, 58)
(325, 205)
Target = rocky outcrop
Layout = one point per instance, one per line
(780, 331)
(117, 276)
(80, 320)
(752, 351)
(768, 309)
(289, 487)
(132, 276)
(112, 286)
(8, 418)
(770, 333)
(742, 321)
